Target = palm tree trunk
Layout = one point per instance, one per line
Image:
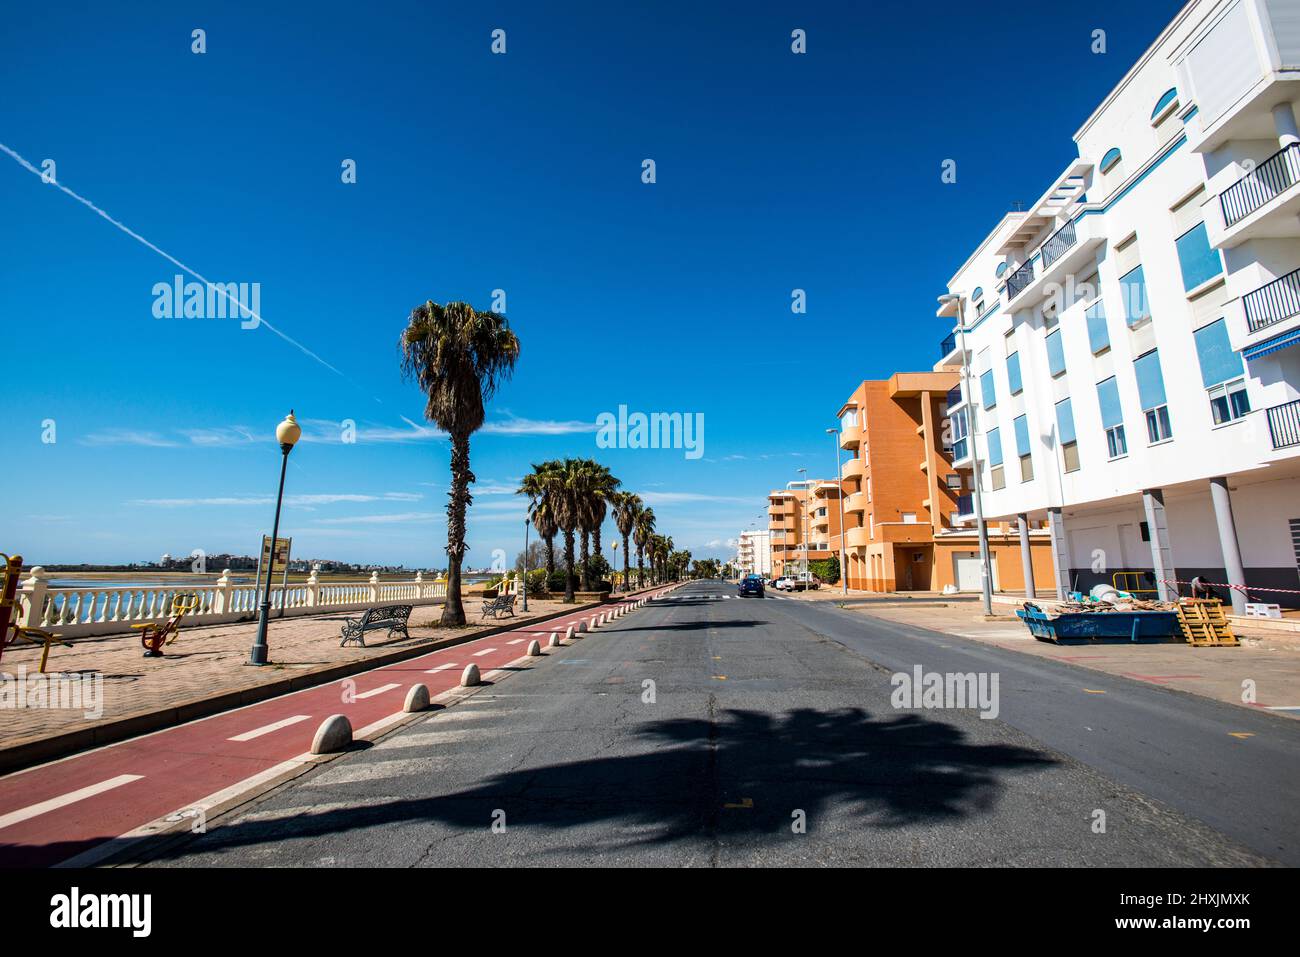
(627, 580)
(453, 612)
(640, 568)
(568, 562)
(586, 553)
(595, 541)
(550, 557)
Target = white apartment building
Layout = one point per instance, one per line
(1132, 340)
(754, 553)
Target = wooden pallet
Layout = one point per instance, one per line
(1204, 624)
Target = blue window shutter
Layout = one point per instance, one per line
(1055, 354)
(1098, 335)
(1013, 373)
(1022, 435)
(1065, 421)
(1219, 362)
(1200, 262)
(1108, 397)
(1151, 384)
(987, 391)
(995, 447)
(1133, 286)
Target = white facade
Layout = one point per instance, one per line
(754, 553)
(1136, 333)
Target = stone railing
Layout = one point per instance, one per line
(108, 609)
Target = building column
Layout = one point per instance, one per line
(1060, 553)
(1026, 556)
(1162, 561)
(1284, 123)
(1228, 542)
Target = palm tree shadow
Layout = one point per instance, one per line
(743, 773)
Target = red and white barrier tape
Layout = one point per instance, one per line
(1244, 589)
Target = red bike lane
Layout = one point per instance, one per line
(57, 811)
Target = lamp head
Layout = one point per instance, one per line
(288, 432)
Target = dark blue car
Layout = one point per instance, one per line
(751, 585)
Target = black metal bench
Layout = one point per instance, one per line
(501, 605)
(392, 617)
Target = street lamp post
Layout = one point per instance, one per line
(524, 584)
(286, 433)
(986, 577)
(807, 493)
(839, 489)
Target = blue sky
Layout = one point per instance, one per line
(477, 172)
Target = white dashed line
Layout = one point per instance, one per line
(444, 667)
(268, 728)
(72, 797)
(517, 641)
(485, 651)
(380, 690)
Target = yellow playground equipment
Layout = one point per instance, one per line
(155, 634)
(10, 629)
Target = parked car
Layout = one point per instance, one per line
(751, 585)
(784, 583)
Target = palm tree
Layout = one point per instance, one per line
(538, 485)
(600, 486)
(627, 506)
(563, 492)
(458, 356)
(641, 532)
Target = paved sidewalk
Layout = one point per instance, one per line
(1271, 661)
(211, 661)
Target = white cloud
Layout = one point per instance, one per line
(294, 501)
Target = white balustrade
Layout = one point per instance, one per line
(106, 609)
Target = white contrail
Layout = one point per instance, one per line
(170, 258)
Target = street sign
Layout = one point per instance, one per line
(282, 548)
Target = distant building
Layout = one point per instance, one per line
(754, 553)
(803, 518)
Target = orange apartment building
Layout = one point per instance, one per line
(905, 504)
(803, 522)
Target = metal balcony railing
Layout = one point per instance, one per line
(1279, 300)
(1019, 280)
(1264, 183)
(948, 345)
(1059, 244)
(954, 398)
(1284, 424)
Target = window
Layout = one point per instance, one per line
(1229, 402)
(994, 439)
(1112, 418)
(849, 420)
(1111, 160)
(998, 478)
(987, 392)
(959, 431)
(953, 480)
(909, 518)
(1200, 262)
(1023, 450)
(1098, 335)
(1066, 436)
(1151, 393)
(1221, 372)
(1133, 288)
(1055, 354)
(1002, 269)
(1013, 374)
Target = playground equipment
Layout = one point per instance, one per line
(155, 634)
(10, 629)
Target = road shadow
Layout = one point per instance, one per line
(743, 773)
(695, 625)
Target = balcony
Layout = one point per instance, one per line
(954, 399)
(857, 537)
(854, 466)
(1061, 242)
(948, 346)
(850, 435)
(1261, 185)
(1273, 303)
(857, 502)
(1019, 280)
(1284, 424)
(965, 506)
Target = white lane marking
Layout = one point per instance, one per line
(485, 651)
(72, 797)
(268, 728)
(380, 690)
(517, 641)
(434, 671)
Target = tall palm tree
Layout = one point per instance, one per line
(538, 486)
(601, 485)
(564, 493)
(627, 506)
(458, 356)
(641, 532)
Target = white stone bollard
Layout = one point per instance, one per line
(417, 699)
(594, 623)
(534, 649)
(555, 640)
(568, 633)
(582, 627)
(334, 734)
(470, 676)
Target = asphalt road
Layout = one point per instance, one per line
(770, 739)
